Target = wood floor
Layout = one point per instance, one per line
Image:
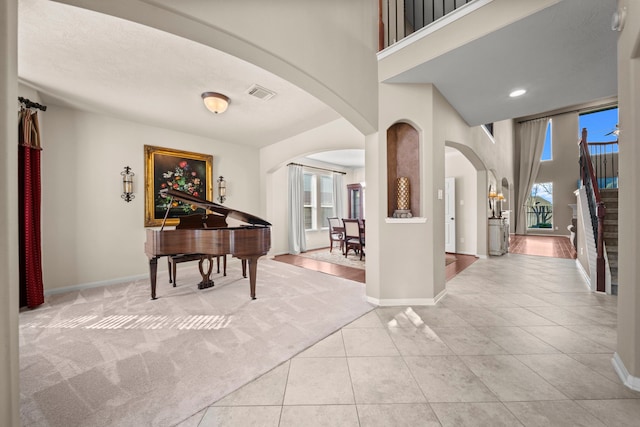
(551, 246)
(461, 262)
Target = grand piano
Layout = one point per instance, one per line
(209, 235)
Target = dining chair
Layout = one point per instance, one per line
(353, 237)
(336, 233)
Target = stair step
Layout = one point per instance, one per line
(612, 249)
(610, 235)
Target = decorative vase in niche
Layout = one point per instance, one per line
(404, 198)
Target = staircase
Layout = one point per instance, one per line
(610, 199)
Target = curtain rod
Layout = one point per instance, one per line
(315, 167)
(601, 107)
(30, 104)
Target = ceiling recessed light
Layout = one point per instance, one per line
(517, 92)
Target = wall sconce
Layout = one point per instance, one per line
(127, 184)
(222, 189)
(215, 102)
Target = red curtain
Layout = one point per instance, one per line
(29, 189)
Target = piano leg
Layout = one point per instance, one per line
(206, 277)
(244, 268)
(153, 270)
(253, 269)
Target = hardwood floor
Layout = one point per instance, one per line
(461, 262)
(355, 274)
(551, 246)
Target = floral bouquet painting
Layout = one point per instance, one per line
(182, 171)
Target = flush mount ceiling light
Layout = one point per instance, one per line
(215, 102)
(517, 92)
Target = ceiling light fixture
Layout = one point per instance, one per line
(215, 102)
(517, 92)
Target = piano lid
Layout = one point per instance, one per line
(215, 207)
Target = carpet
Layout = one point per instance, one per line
(336, 257)
(110, 356)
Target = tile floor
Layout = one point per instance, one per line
(518, 340)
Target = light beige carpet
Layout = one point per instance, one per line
(110, 356)
(336, 257)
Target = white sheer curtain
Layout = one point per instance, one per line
(531, 144)
(338, 194)
(297, 236)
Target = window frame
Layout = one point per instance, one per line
(316, 203)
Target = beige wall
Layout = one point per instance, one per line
(628, 348)
(9, 379)
(86, 227)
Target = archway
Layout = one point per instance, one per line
(476, 217)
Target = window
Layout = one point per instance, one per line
(601, 125)
(547, 152)
(318, 200)
(540, 206)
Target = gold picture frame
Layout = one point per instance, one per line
(181, 170)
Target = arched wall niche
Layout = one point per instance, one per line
(403, 160)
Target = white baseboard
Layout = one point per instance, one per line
(83, 286)
(629, 380)
(387, 302)
(584, 274)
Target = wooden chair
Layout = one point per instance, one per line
(353, 237)
(336, 233)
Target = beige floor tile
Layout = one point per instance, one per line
(566, 340)
(318, 381)
(440, 316)
(553, 413)
(246, 416)
(399, 317)
(319, 416)
(599, 362)
(618, 413)
(574, 379)
(418, 342)
(265, 390)
(482, 317)
(383, 380)
(517, 341)
(448, 379)
(519, 316)
(368, 320)
(468, 340)
(605, 335)
(368, 342)
(510, 379)
(411, 414)
(331, 346)
(474, 414)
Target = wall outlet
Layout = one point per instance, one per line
(462, 240)
(461, 202)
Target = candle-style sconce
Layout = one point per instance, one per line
(127, 184)
(222, 189)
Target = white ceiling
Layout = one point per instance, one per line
(563, 55)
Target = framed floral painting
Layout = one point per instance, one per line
(180, 170)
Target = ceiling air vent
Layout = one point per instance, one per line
(261, 92)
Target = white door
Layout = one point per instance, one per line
(450, 214)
